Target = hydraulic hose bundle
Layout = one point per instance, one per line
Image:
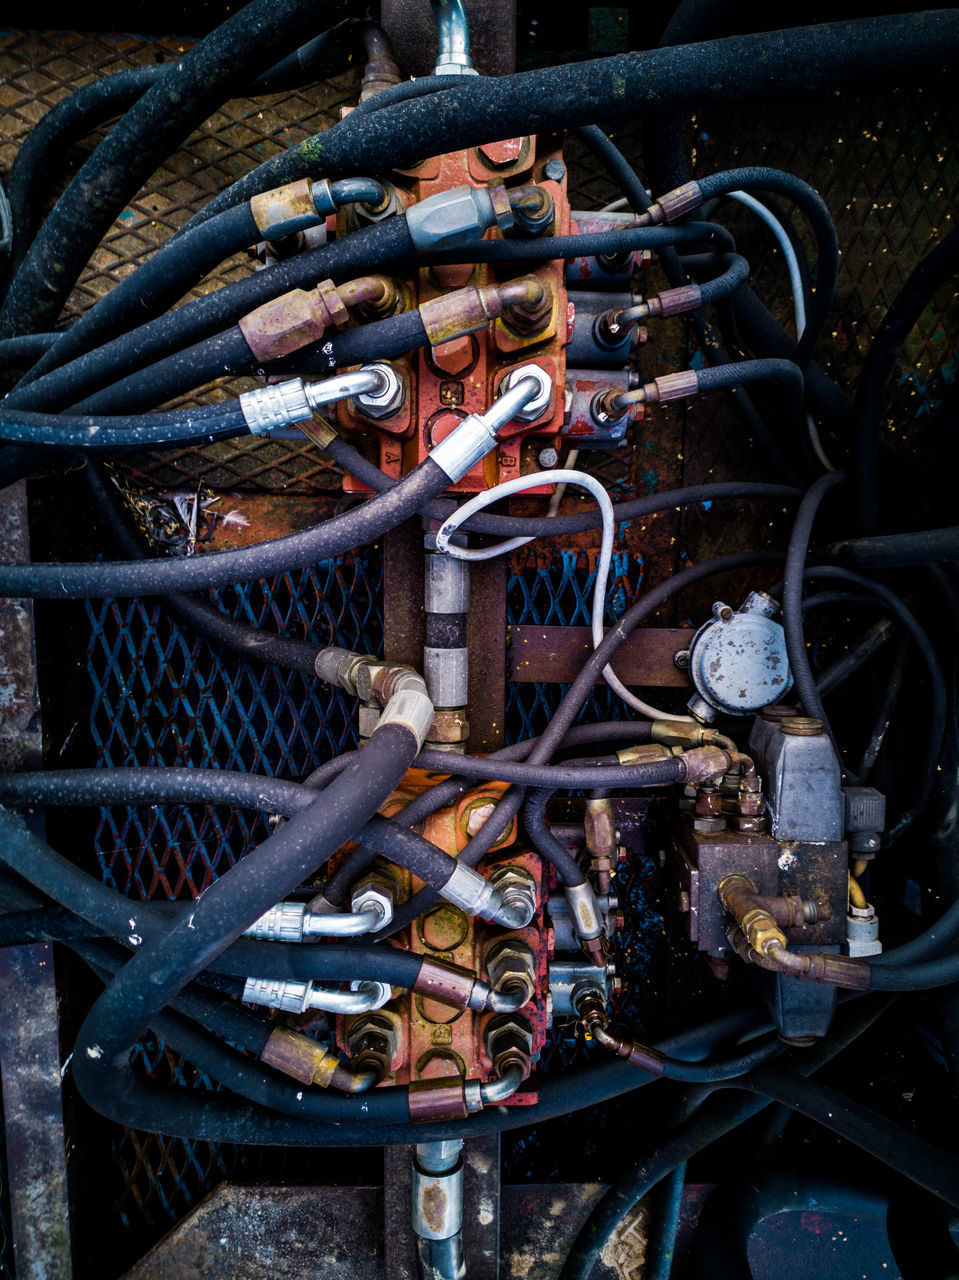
(324, 327)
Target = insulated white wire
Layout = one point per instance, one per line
(799, 302)
(566, 477)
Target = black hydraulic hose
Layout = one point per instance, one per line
(738, 372)
(712, 1122)
(152, 786)
(622, 171)
(43, 924)
(797, 550)
(905, 311)
(824, 230)
(906, 1153)
(937, 690)
(342, 259)
(115, 433)
(534, 820)
(160, 576)
(899, 550)
(229, 353)
(26, 349)
(572, 775)
(735, 269)
(350, 460)
(166, 963)
(736, 69)
(923, 975)
(171, 272)
(249, 42)
(720, 1070)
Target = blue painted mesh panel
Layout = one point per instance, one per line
(162, 696)
(7, 1268)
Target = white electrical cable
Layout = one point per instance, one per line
(571, 459)
(799, 301)
(518, 485)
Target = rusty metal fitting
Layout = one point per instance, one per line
(449, 726)
(375, 296)
(367, 718)
(847, 972)
(508, 1041)
(373, 1042)
(672, 386)
(375, 894)
(749, 780)
(529, 311)
(639, 1055)
(738, 895)
(386, 400)
(341, 666)
(672, 302)
(705, 764)
(674, 204)
(584, 911)
(600, 827)
(511, 966)
(381, 69)
(679, 733)
(532, 208)
(442, 1099)
(709, 801)
(300, 1057)
(285, 210)
(458, 217)
(451, 984)
(596, 950)
(462, 311)
(294, 320)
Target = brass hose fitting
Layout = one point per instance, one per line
(305, 1060)
(590, 1008)
(674, 204)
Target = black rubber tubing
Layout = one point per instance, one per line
(545, 843)
(160, 576)
(735, 269)
(899, 550)
(249, 42)
(735, 69)
(170, 272)
(723, 1069)
(229, 353)
(342, 259)
(572, 775)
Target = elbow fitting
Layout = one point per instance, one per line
(532, 207)
(511, 968)
(467, 310)
(342, 667)
(474, 437)
(307, 1061)
(589, 1007)
(477, 896)
(295, 207)
(452, 219)
(376, 296)
(706, 764)
(409, 706)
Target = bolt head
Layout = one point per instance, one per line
(548, 458)
(681, 659)
(554, 170)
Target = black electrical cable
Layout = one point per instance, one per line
(158, 577)
(229, 353)
(910, 302)
(736, 69)
(248, 43)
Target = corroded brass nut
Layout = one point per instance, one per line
(600, 828)
(368, 719)
(451, 725)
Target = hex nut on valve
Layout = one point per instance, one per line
(374, 893)
(510, 963)
(536, 407)
(387, 401)
(509, 1039)
(516, 887)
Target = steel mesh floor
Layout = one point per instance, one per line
(160, 696)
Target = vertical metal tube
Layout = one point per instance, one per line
(453, 55)
(438, 1209)
(445, 655)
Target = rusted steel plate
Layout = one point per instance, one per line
(33, 1114)
(556, 655)
(20, 742)
(404, 619)
(486, 637)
